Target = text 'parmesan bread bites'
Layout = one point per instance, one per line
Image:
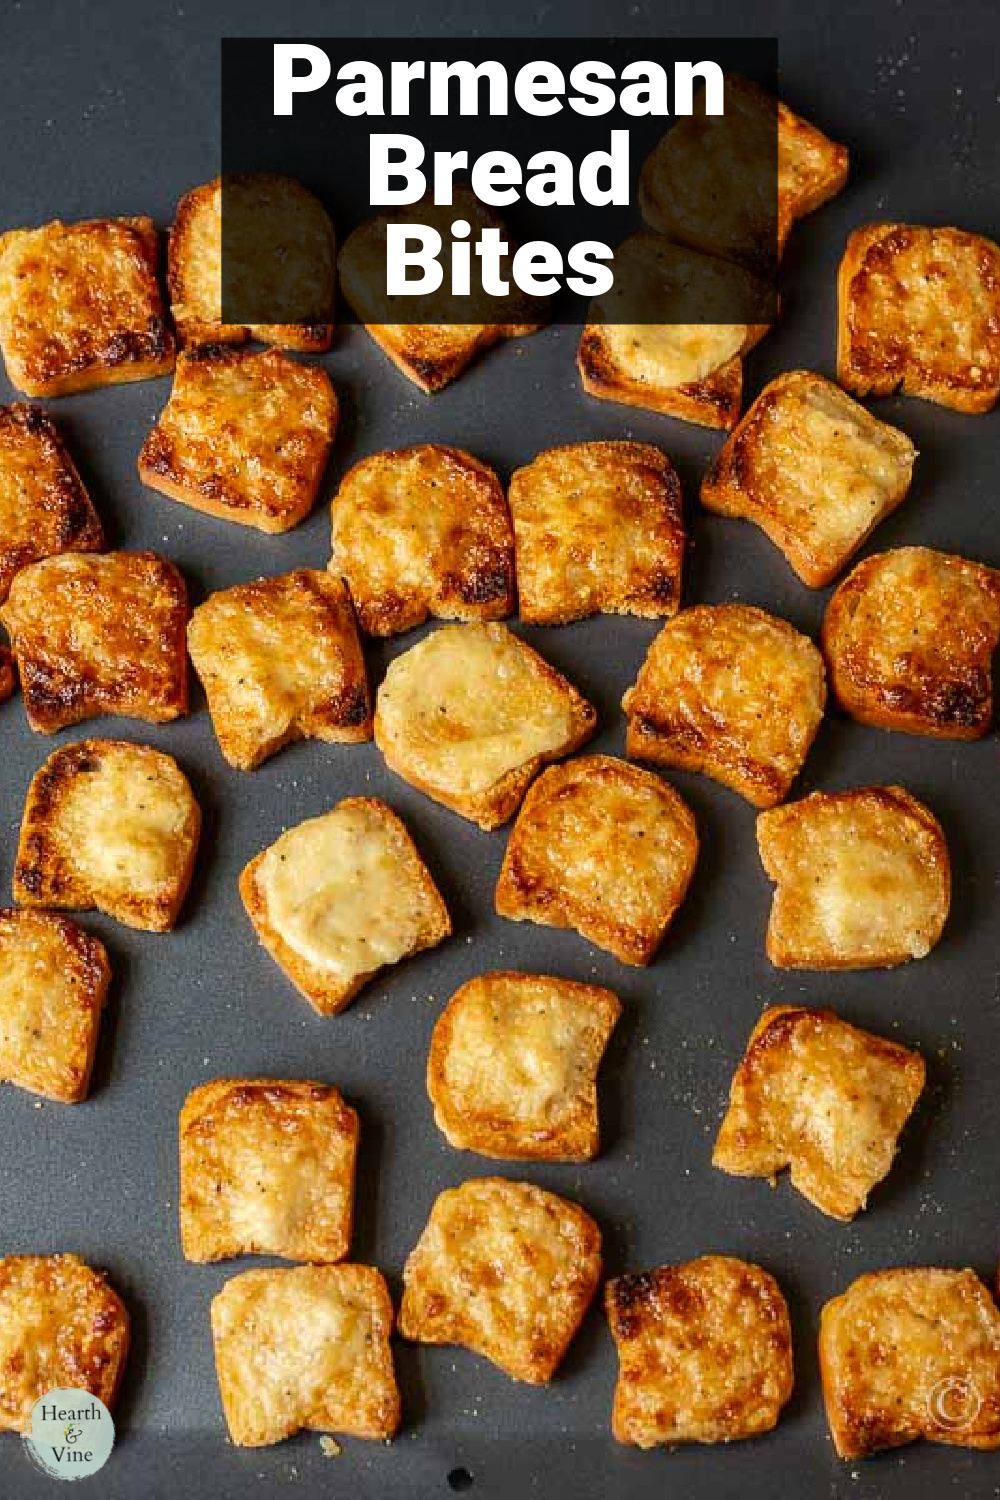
(909, 638)
(305, 1348)
(423, 531)
(598, 527)
(245, 436)
(911, 1352)
(605, 848)
(814, 470)
(266, 1168)
(340, 897)
(512, 1069)
(470, 714)
(280, 660)
(61, 1325)
(919, 309)
(80, 306)
(862, 879)
(824, 1098)
(506, 1269)
(704, 1351)
(731, 691)
(111, 825)
(99, 634)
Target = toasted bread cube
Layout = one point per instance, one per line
(80, 306)
(306, 1347)
(340, 897)
(6, 673)
(280, 660)
(111, 825)
(506, 1269)
(909, 638)
(911, 1352)
(245, 436)
(598, 527)
(423, 531)
(863, 879)
(512, 1069)
(470, 714)
(61, 1325)
(919, 310)
(824, 1098)
(731, 691)
(814, 470)
(99, 634)
(704, 1351)
(602, 847)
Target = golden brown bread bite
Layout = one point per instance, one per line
(512, 1068)
(6, 673)
(704, 1350)
(598, 527)
(423, 531)
(305, 1348)
(919, 310)
(605, 848)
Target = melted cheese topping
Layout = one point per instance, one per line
(673, 354)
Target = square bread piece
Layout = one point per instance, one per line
(100, 634)
(423, 531)
(731, 691)
(111, 825)
(80, 306)
(823, 1098)
(340, 897)
(598, 528)
(267, 1168)
(602, 847)
(44, 507)
(280, 660)
(911, 1352)
(863, 879)
(470, 714)
(704, 1351)
(506, 1269)
(814, 470)
(305, 1348)
(245, 436)
(909, 638)
(61, 1326)
(919, 310)
(512, 1070)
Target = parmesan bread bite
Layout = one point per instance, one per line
(919, 309)
(863, 879)
(111, 825)
(6, 673)
(908, 1353)
(99, 635)
(731, 691)
(704, 1350)
(471, 713)
(305, 1348)
(80, 306)
(340, 897)
(512, 1070)
(280, 660)
(814, 470)
(245, 436)
(267, 1168)
(61, 1325)
(823, 1098)
(598, 527)
(506, 1269)
(909, 638)
(423, 531)
(605, 848)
